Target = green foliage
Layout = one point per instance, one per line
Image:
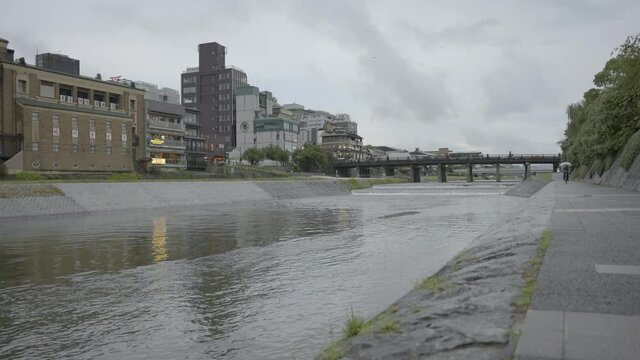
(631, 151)
(3, 171)
(253, 156)
(331, 353)
(354, 326)
(608, 115)
(28, 176)
(434, 284)
(124, 176)
(313, 158)
(275, 153)
(530, 275)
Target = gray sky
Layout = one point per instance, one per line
(490, 76)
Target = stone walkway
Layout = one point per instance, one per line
(587, 304)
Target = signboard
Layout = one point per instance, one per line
(157, 141)
(158, 161)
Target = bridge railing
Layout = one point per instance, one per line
(454, 157)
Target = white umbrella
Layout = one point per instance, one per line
(565, 164)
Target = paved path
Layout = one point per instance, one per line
(587, 304)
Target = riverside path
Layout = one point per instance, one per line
(587, 303)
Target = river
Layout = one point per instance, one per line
(266, 280)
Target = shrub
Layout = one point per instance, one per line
(631, 151)
(28, 176)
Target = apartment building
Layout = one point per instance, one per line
(343, 144)
(54, 121)
(210, 88)
(165, 128)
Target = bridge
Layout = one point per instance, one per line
(363, 168)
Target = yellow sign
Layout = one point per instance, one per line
(158, 161)
(157, 141)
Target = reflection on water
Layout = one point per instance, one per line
(160, 239)
(253, 280)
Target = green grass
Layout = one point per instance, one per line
(390, 326)
(28, 176)
(530, 275)
(355, 325)
(332, 352)
(124, 176)
(434, 284)
(13, 192)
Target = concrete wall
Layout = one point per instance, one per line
(102, 197)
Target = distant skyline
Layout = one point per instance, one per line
(472, 76)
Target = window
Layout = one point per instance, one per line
(34, 146)
(55, 125)
(56, 148)
(190, 89)
(22, 86)
(132, 105)
(75, 148)
(124, 151)
(46, 89)
(92, 149)
(108, 150)
(35, 128)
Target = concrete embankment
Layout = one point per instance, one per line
(76, 198)
(465, 311)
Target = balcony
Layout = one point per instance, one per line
(166, 125)
(86, 103)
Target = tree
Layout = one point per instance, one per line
(608, 115)
(253, 156)
(275, 153)
(98, 76)
(312, 158)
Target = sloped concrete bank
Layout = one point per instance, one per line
(101, 197)
(465, 310)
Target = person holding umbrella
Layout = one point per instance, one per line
(565, 166)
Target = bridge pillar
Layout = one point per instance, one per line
(498, 176)
(389, 171)
(527, 171)
(443, 173)
(415, 173)
(469, 172)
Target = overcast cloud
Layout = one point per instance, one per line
(484, 76)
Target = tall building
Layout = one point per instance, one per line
(58, 62)
(51, 121)
(210, 88)
(262, 122)
(165, 127)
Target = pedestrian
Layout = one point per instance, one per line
(565, 174)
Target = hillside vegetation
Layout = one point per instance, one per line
(609, 114)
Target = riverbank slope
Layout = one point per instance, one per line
(466, 309)
(76, 198)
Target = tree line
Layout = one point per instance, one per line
(310, 158)
(608, 115)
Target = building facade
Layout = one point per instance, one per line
(165, 130)
(344, 145)
(58, 62)
(210, 88)
(263, 123)
(195, 151)
(52, 121)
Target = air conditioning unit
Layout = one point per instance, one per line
(81, 101)
(70, 99)
(86, 102)
(63, 98)
(103, 104)
(96, 103)
(113, 106)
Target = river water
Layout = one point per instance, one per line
(267, 280)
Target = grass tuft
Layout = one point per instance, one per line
(390, 326)
(530, 275)
(434, 284)
(354, 326)
(332, 352)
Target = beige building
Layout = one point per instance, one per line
(52, 121)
